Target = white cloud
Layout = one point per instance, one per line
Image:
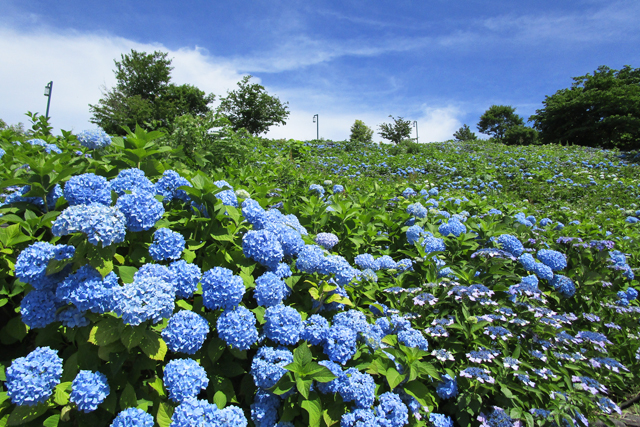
(79, 65)
(438, 124)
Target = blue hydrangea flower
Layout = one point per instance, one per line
(454, 226)
(268, 365)
(38, 308)
(185, 332)
(309, 259)
(167, 186)
(391, 411)
(102, 224)
(263, 247)
(221, 289)
(87, 290)
(264, 409)
(315, 330)
(366, 261)
(440, 420)
(86, 189)
(317, 189)
(339, 267)
(187, 278)
(511, 244)
(237, 328)
(231, 416)
(141, 210)
(290, 240)
(352, 319)
(47, 147)
(553, 259)
(417, 210)
(563, 285)
(631, 294)
(357, 387)
(283, 271)
(447, 388)
(132, 180)
(184, 379)
(359, 418)
(415, 233)
(413, 338)
(150, 297)
(133, 417)
(338, 188)
(166, 245)
(283, 324)
(71, 317)
(327, 240)
(254, 213)
(31, 379)
(228, 197)
(94, 139)
(2, 153)
(340, 344)
(433, 244)
(88, 390)
(385, 262)
(270, 290)
(31, 265)
(194, 413)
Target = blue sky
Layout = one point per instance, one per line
(440, 63)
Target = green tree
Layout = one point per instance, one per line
(599, 110)
(251, 108)
(144, 95)
(361, 133)
(465, 134)
(396, 132)
(520, 135)
(497, 119)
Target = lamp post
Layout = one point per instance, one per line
(316, 120)
(47, 92)
(415, 124)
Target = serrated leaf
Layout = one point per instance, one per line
(417, 390)
(23, 414)
(394, 378)
(303, 386)
(132, 336)
(302, 355)
(284, 384)
(314, 408)
(507, 393)
(128, 397)
(165, 412)
(323, 375)
(153, 346)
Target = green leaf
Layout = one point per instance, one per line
(394, 378)
(303, 386)
(323, 375)
(302, 355)
(314, 408)
(284, 384)
(215, 349)
(61, 393)
(128, 397)
(165, 412)
(417, 390)
(106, 331)
(52, 421)
(23, 414)
(126, 273)
(507, 393)
(153, 346)
(132, 336)
(220, 399)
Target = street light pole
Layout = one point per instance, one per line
(47, 92)
(415, 124)
(316, 120)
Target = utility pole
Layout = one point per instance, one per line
(415, 124)
(47, 92)
(316, 120)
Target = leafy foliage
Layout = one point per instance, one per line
(465, 134)
(497, 120)
(251, 108)
(599, 110)
(397, 131)
(361, 133)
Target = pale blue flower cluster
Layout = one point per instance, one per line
(553, 259)
(357, 387)
(94, 139)
(270, 290)
(221, 289)
(86, 189)
(228, 197)
(315, 330)
(193, 412)
(47, 147)
(102, 224)
(31, 379)
(31, 265)
(187, 278)
(336, 188)
(167, 186)
(317, 189)
(340, 344)
(185, 332)
(366, 261)
(433, 244)
(327, 240)
(283, 324)
(141, 210)
(87, 290)
(264, 409)
(237, 328)
(88, 390)
(151, 296)
(131, 180)
(440, 420)
(563, 285)
(511, 244)
(263, 247)
(417, 210)
(408, 192)
(167, 244)
(268, 365)
(133, 417)
(184, 379)
(447, 388)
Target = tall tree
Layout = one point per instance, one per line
(599, 110)
(251, 108)
(465, 134)
(497, 120)
(361, 133)
(144, 95)
(397, 131)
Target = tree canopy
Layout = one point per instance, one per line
(144, 95)
(361, 133)
(599, 110)
(497, 119)
(251, 108)
(397, 131)
(465, 134)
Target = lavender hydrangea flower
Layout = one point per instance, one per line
(327, 240)
(88, 390)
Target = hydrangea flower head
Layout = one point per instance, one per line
(357, 387)
(31, 379)
(283, 324)
(133, 417)
(221, 288)
(270, 290)
(391, 410)
(268, 365)
(88, 390)
(447, 388)
(317, 189)
(132, 180)
(102, 224)
(238, 328)
(340, 344)
(87, 290)
(94, 139)
(185, 332)
(141, 209)
(454, 226)
(187, 278)
(86, 189)
(327, 240)
(433, 244)
(315, 330)
(263, 247)
(31, 265)
(563, 285)
(38, 308)
(150, 297)
(553, 259)
(184, 379)
(167, 186)
(511, 244)
(195, 413)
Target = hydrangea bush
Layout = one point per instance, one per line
(146, 293)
